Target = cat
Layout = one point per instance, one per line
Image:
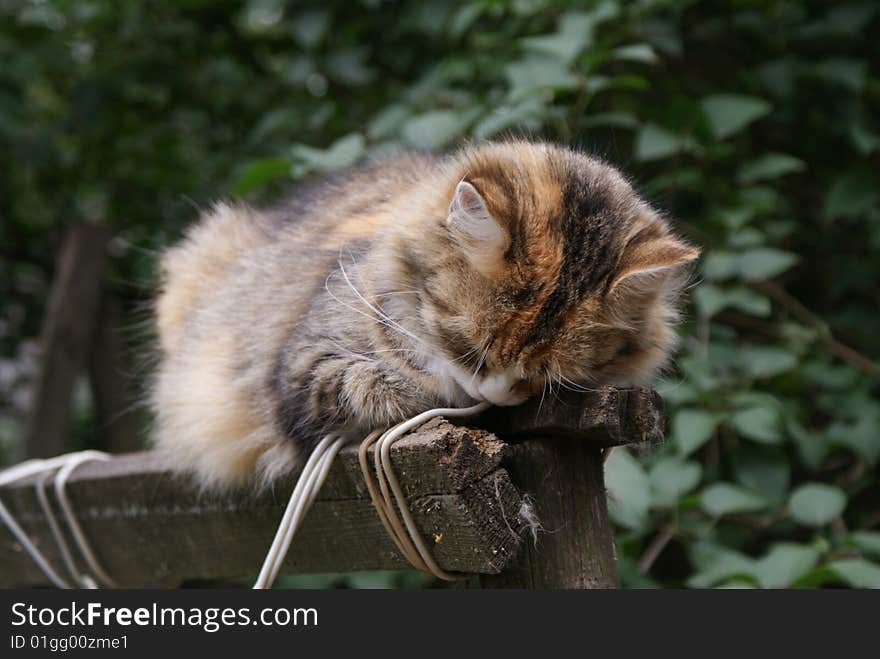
(414, 282)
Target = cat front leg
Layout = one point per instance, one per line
(321, 389)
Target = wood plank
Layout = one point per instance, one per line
(151, 528)
(463, 483)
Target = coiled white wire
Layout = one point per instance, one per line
(315, 473)
(64, 466)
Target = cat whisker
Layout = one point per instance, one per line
(482, 360)
(543, 395)
(380, 317)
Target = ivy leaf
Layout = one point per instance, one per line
(812, 447)
(691, 429)
(762, 471)
(816, 504)
(505, 116)
(431, 130)
(867, 541)
(629, 490)
(723, 499)
(784, 564)
(720, 264)
(387, 122)
(716, 564)
(764, 263)
(671, 478)
(638, 52)
(259, 173)
(613, 119)
(751, 264)
(534, 73)
(711, 299)
(766, 361)
(573, 34)
(852, 195)
(654, 142)
(729, 113)
(862, 437)
(343, 153)
(857, 572)
(760, 424)
(769, 166)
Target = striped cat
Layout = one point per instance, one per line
(411, 283)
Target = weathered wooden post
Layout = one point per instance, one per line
(560, 467)
(66, 339)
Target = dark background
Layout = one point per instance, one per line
(754, 124)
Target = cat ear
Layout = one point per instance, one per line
(470, 220)
(646, 265)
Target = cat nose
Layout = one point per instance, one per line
(502, 388)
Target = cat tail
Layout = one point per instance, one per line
(196, 265)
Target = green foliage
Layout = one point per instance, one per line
(753, 124)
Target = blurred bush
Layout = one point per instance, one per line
(754, 124)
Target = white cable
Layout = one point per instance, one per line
(35, 554)
(316, 480)
(60, 542)
(314, 474)
(310, 480)
(85, 548)
(65, 464)
(383, 450)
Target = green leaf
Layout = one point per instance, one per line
(671, 478)
(653, 142)
(629, 490)
(343, 153)
(431, 130)
(862, 437)
(765, 472)
(867, 541)
(760, 424)
(765, 361)
(730, 113)
(748, 301)
(764, 263)
(715, 564)
(534, 74)
(638, 52)
(857, 572)
(711, 299)
(812, 447)
(842, 71)
(770, 166)
(724, 499)
(852, 195)
(691, 429)
(506, 116)
(784, 564)
(816, 504)
(573, 34)
(613, 119)
(750, 264)
(720, 264)
(260, 172)
(387, 122)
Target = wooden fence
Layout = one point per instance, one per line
(466, 485)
